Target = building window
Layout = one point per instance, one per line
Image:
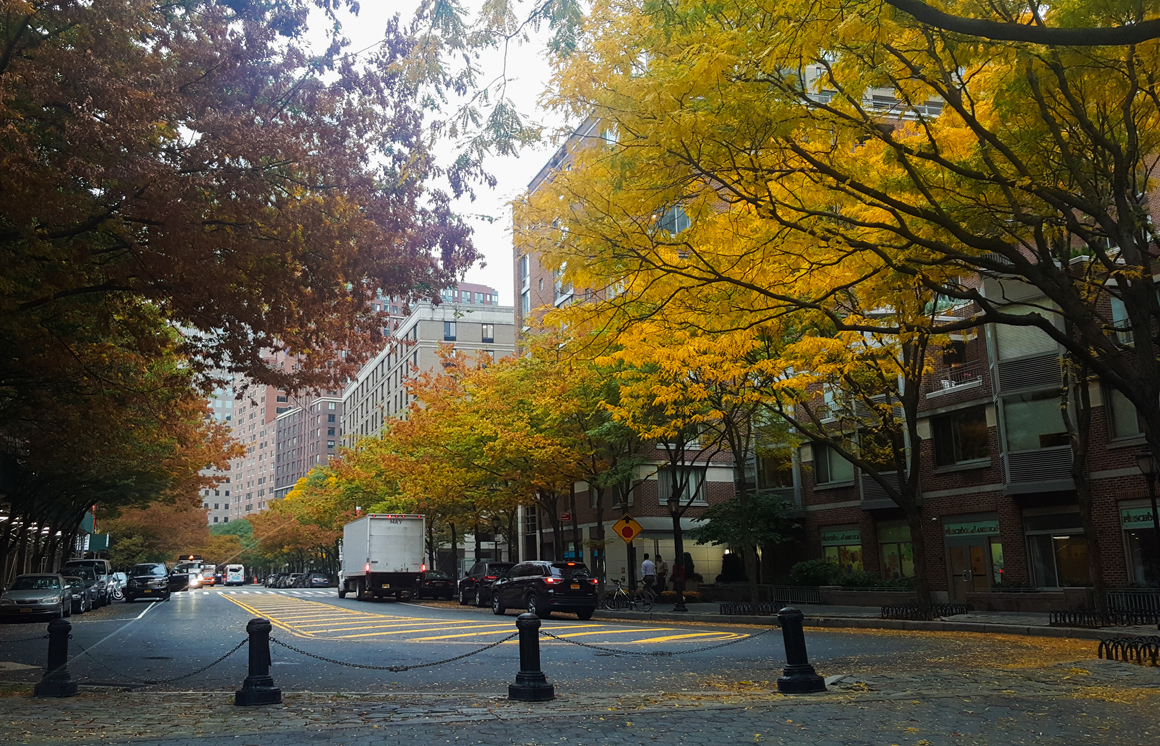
(215, 520)
(330, 431)
(842, 545)
(690, 484)
(1034, 421)
(1057, 549)
(830, 468)
(330, 418)
(1126, 421)
(526, 302)
(330, 444)
(674, 220)
(524, 271)
(487, 332)
(960, 436)
(448, 331)
(330, 405)
(774, 471)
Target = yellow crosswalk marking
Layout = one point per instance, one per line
(314, 619)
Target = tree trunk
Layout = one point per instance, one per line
(452, 569)
(478, 541)
(577, 541)
(1074, 393)
(599, 560)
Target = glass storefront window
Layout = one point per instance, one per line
(1142, 556)
(1059, 561)
(996, 562)
(848, 557)
(896, 552)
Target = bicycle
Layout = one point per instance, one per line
(619, 599)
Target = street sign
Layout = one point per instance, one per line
(565, 516)
(627, 529)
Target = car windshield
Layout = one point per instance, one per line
(432, 575)
(84, 572)
(155, 570)
(186, 567)
(41, 583)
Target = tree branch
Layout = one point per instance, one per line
(1112, 36)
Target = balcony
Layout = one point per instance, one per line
(1041, 470)
(955, 378)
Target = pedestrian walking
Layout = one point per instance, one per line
(648, 572)
(662, 573)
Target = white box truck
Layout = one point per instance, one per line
(382, 555)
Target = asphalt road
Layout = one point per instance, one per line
(128, 644)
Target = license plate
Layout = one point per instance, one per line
(386, 585)
(26, 611)
(148, 591)
(575, 586)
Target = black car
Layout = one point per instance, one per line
(152, 580)
(81, 594)
(435, 584)
(543, 587)
(475, 587)
(94, 584)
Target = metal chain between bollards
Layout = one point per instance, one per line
(393, 669)
(656, 653)
(26, 639)
(155, 682)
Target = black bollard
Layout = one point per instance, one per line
(258, 688)
(531, 683)
(57, 681)
(799, 677)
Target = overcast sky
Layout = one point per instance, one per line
(528, 77)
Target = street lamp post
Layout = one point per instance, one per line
(674, 505)
(1147, 464)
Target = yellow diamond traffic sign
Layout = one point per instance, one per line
(627, 529)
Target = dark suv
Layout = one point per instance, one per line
(544, 587)
(475, 587)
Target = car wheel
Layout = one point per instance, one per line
(462, 597)
(533, 607)
(478, 596)
(584, 614)
(342, 591)
(497, 607)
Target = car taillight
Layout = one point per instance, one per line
(490, 577)
(553, 581)
(422, 568)
(591, 581)
(368, 567)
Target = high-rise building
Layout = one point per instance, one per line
(469, 319)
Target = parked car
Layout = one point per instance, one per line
(316, 580)
(82, 594)
(294, 580)
(435, 584)
(120, 580)
(35, 596)
(544, 587)
(475, 587)
(152, 580)
(218, 578)
(103, 569)
(93, 582)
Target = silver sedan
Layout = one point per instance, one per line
(35, 596)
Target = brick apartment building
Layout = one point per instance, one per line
(999, 505)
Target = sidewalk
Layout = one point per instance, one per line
(869, 617)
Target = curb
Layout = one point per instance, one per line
(890, 624)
